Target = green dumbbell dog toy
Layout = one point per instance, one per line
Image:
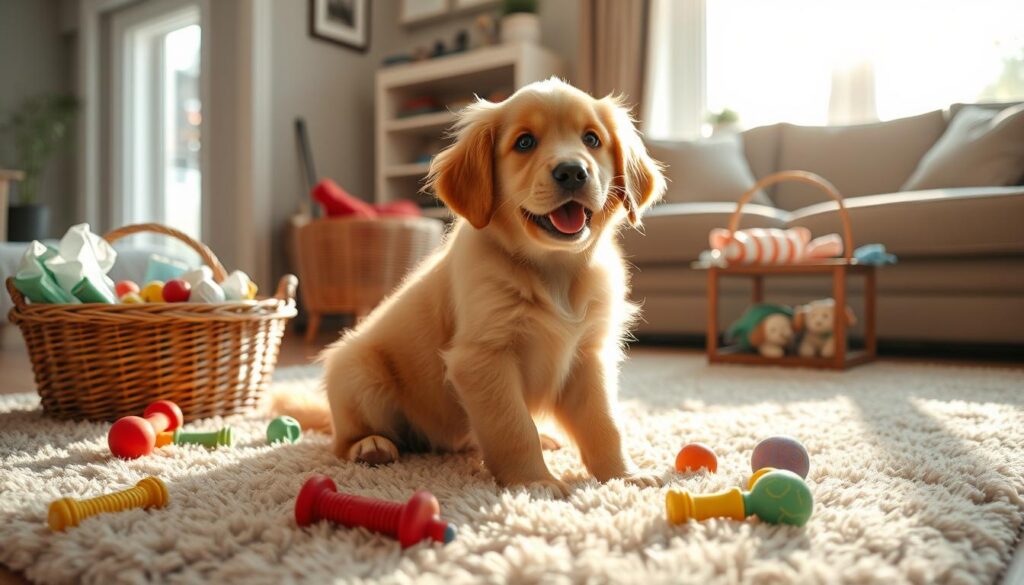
(219, 438)
(283, 428)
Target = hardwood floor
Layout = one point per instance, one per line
(14, 363)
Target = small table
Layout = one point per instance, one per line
(838, 269)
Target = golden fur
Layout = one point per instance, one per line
(505, 321)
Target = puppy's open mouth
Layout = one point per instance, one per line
(569, 221)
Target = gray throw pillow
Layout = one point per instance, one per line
(706, 170)
(980, 148)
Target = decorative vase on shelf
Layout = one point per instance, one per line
(520, 27)
(724, 123)
(520, 23)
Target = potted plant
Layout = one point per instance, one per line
(40, 127)
(519, 23)
(724, 123)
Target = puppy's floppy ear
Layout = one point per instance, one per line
(462, 175)
(638, 177)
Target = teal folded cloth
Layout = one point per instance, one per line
(163, 268)
(41, 289)
(84, 255)
(75, 271)
(36, 281)
(87, 292)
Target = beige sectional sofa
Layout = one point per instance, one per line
(960, 276)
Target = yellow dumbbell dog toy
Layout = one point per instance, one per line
(148, 493)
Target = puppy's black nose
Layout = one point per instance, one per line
(570, 175)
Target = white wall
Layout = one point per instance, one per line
(332, 87)
(35, 59)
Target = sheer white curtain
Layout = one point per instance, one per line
(675, 86)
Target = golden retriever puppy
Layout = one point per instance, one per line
(522, 310)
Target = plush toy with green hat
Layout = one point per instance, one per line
(766, 327)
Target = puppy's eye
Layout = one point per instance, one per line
(525, 142)
(591, 140)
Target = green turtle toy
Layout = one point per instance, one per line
(764, 327)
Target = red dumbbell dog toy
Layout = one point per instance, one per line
(416, 520)
(132, 436)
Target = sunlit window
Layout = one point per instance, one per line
(826, 61)
(182, 117)
(158, 116)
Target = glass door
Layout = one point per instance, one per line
(156, 115)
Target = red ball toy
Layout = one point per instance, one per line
(132, 437)
(176, 291)
(124, 287)
(695, 456)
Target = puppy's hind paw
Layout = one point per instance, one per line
(549, 443)
(373, 450)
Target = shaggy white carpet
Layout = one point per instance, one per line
(917, 471)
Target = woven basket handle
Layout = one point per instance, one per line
(286, 287)
(209, 258)
(806, 178)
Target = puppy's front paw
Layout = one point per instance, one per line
(373, 450)
(643, 479)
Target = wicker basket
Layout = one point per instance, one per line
(100, 362)
(349, 265)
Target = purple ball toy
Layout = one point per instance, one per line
(781, 453)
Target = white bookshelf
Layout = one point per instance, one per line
(400, 140)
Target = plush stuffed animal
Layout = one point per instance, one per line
(816, 320)
(773, 246)
(764, 327)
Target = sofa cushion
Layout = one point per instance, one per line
(981, 147)
(761, 147)
(859, 160)
(940, 222)
(678, 232)
(705, 170)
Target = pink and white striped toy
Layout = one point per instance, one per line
(774, 246)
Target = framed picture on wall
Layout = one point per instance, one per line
(345, 22)
(414, 11)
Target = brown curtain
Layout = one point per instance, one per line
(613, 48)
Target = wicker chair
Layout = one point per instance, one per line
(348, 266)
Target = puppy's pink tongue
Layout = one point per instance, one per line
(569, 218)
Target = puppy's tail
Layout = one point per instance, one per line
(309, 408)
